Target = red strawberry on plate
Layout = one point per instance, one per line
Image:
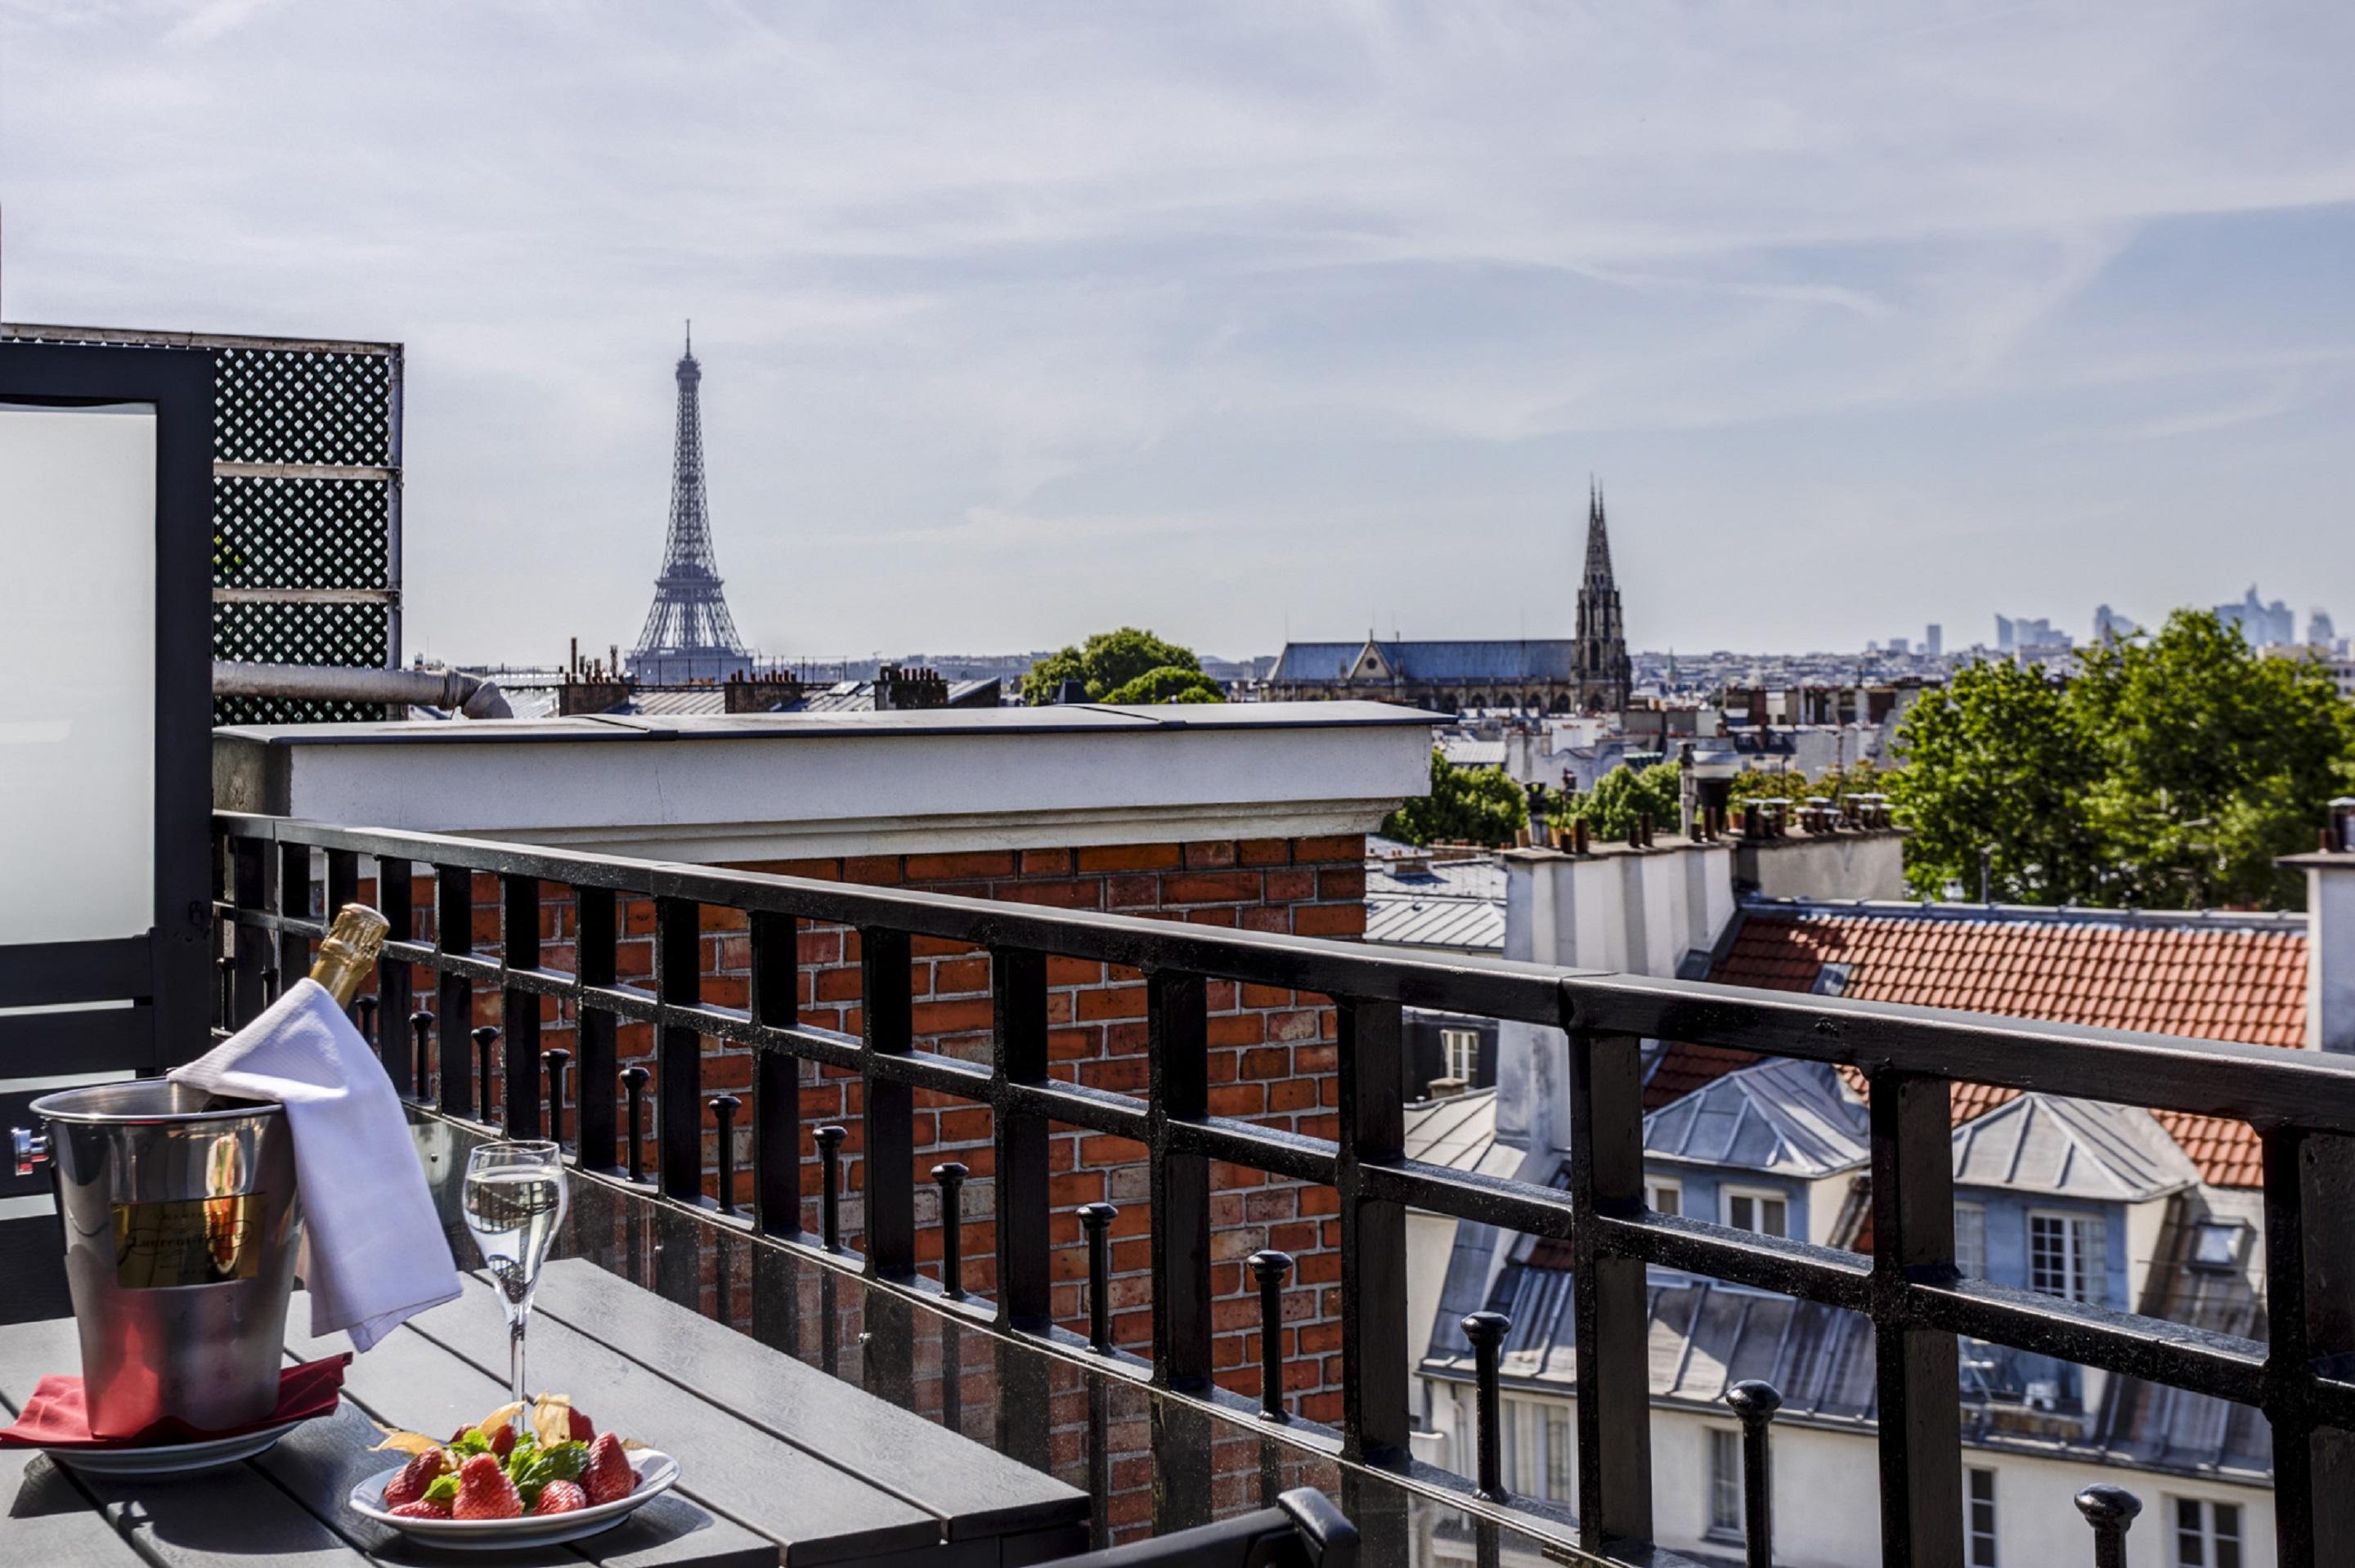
(422, 1509)
(416, 1476)
(584, 1430)
(503, 1441)
(607, 1478)
(562, 1497)
(485, 1491)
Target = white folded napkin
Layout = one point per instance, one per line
(373, 1251)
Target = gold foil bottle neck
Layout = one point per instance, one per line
(349, 951)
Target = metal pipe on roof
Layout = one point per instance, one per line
(472, 695)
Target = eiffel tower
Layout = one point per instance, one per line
(689, 634)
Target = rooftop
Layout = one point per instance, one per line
(2214, 975)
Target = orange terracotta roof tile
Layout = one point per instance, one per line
(2216, 985)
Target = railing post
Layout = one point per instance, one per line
(1487, 1330)
(887, 1018)
(486, 1040)
(2111, 1512)
(364, 1008)
(1614, 1365)
(294, 903)
(828, 1140)
(558, 1059)
(774, 942)
(1178, 1046)
(420, 1026)
(1269, 1266)
(453, 932)
(634, 1081)
(723, 1114)
(1096, 1220)
(250, 880)
(678, 1050)
(1024, 1208)
(1374, 1395)
(2309, 1188)
(593, 1028)
(1756, 1402)
(1917, 1370)
(396, 897)
(519, 1009)
(950, 1177)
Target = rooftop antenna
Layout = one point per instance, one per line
(690, 337)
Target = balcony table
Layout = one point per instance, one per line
(780, 1464)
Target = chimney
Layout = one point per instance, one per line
(2330, 933)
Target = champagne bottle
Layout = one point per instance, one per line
(348, 951)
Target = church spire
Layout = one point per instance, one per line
(1598, 538)
(1605, 670)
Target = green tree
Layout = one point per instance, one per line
(1476, 805)
(1105, 662)
(2215, 759)
(1621, 798)
(1169, 683)
(1998, 763)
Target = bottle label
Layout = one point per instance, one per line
(188, 1241)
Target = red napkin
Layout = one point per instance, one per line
(55, 1417)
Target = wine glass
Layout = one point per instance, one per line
(515, 1199)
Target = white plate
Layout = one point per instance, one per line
(656, 1471)
(169, 1458)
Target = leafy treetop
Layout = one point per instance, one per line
(1106, 663)
(1470, 805)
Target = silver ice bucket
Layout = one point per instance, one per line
(181, 1224)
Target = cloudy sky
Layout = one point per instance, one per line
(1020, 319)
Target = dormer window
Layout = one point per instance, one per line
(2066, 1256)
(2219, 1243)
(1763, 1214)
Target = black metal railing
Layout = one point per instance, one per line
(2303, 1105)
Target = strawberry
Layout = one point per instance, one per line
(422, 1509)
(485, 1491)
(562, 1497)
(416, 1476)
(607, 1478)
(502, 1440)
(584, 1430)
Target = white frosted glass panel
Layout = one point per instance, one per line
(77, 672)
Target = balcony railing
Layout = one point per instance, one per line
(2302, 1377)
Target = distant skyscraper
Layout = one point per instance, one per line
(1900, 645)
(689, 635)
(1604, 672)
(1934, 639)
(2003, 634)
(2319, 632)
(2264, 625)
(2109, 625)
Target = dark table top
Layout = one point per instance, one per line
(778, 1462)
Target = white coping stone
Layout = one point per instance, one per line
(782, 786)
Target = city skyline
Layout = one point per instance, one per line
(1247, 327)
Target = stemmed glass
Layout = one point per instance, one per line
(514, 1198)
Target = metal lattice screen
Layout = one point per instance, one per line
(307, 505)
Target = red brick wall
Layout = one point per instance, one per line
(1272, 1059)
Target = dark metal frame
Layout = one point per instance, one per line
(2302, 1378)
(162, 972)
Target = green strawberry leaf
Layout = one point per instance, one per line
(470, 1443)
(562, 1462)
(445, 1488)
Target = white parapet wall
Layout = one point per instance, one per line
(780, 786)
